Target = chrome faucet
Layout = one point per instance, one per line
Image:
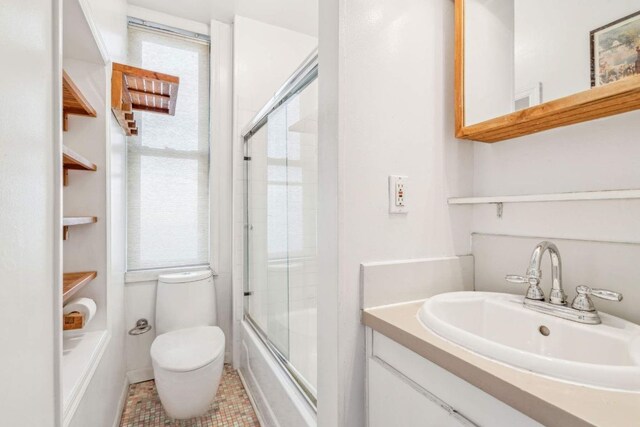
(534, 274)
(581, 310)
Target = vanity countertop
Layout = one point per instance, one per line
(550, 402)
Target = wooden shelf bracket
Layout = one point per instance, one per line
(73, 101)
(74, 161)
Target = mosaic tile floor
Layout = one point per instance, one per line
(231, 408)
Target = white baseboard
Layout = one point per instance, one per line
(122, 402)
(140, 375)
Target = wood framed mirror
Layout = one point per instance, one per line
(524, 66)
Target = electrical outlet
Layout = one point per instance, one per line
(398, 194)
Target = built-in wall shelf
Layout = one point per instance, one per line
(73, 160)
(73, 282)
(135, 88)
(78, 220)
(69, 221)
(73, 101)
(551, 197)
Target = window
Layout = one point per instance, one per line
(168, 162)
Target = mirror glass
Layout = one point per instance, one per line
(522, 53)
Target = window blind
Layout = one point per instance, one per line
(168, 162)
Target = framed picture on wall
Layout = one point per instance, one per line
(615, 50)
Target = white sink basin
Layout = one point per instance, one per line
(499, 327)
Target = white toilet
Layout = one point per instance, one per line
(188, 352)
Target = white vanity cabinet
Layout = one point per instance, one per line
(405, 389)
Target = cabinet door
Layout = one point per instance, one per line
(395, 402)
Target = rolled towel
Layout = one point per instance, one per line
(86, 306)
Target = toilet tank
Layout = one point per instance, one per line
(185, 300)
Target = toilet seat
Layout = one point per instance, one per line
(189, 349)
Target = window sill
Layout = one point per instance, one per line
(152, 274)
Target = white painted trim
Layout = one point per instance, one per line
(411, 260)
(413, 279)
(271, 416)
(551, 197)
(140, 375)
(551, 238)
(166, 19)
(57, 300)
(368, 337)
(237, 229)
(97, 38)
(121, 402)
(251, 399)
(221, 137)
(152, 274)
(332, 164)
(85, 379)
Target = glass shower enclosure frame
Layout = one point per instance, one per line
(280, 241)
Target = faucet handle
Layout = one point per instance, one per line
(534, 291)
(514, 278)
(584, 303)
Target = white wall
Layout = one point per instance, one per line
(513, 46)
(603, 265)
(598, 155)
(296, 15)
(140, 296)
(30, 212)
(386, 69)
(264, 57)
(552, 42)
(101, 403)
(489, 59)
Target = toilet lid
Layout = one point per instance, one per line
(188, 349)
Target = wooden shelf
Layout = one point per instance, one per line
(75, 220)
(135, 88)
(73, 101)
(74, 161)
(79, 220)
(73, 282)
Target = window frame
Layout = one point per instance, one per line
(219, 112)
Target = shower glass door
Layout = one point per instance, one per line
(281, 241)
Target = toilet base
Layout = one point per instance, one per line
(188, 394)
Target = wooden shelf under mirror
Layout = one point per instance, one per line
(135, 88)
(74, 161)
(598, 102)
(73, 282)
(73, 101)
